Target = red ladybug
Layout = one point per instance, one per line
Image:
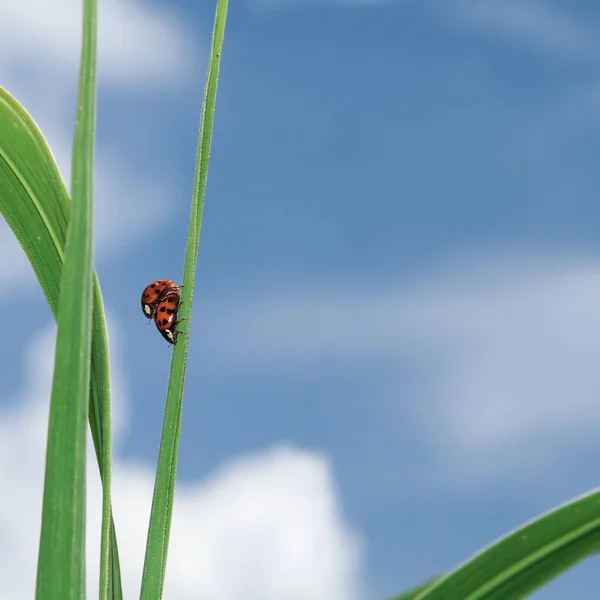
(154, 293)
(166, 316)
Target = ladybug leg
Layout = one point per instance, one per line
(177, 334)
(175, 331)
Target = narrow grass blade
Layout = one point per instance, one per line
(526, 559)
(100, 421)
(61, 560)
(36, 206)
(162, 503)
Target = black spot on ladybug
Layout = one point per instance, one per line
(164, 322)
(162, 309)
(169, 311)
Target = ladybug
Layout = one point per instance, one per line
(154, 293)
(166, 316)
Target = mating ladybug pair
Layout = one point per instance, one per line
(161, 301)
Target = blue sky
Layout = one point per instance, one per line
(395, 338)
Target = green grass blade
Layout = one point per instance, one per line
(526, 559)
(414, 592)
(36, 206)
(61, 560)
(100, 420)
(162, 503)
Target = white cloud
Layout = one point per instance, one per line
(507, 351)
(138, 42)
(536, 24)
(266, 527)
(263, 526)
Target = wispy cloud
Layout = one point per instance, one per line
(538, 25)
(507, 351)
(535, 24)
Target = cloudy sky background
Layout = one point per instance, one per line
(393, 357)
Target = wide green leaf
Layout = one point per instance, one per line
(526, 559)
(162, 503)
(61, 561)
(35, 204)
